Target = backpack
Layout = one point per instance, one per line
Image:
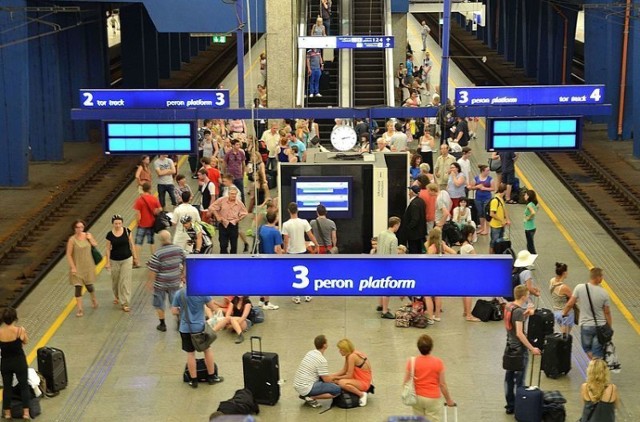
(242, 403)
(208, 229)
(515, 281)
(508, 314)
(487, 209)
(256, 315)
(346, 400)
(263, 150)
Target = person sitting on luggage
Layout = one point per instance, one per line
(560, 295)
(312, 380)
(355, 377)
(236, 317)
(14, 362)
(429, 381)
(462, 217)
(515, 319)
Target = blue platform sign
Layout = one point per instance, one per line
(365, 42)
(97, 99)
(530, 95)
(349, 275)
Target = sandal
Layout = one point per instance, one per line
(94, 303)
(126, 308)
(80, 313)
(473, 319)
(511, 201)
(116, 301)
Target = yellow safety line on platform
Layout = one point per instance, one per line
(583, 257)
(72, 303)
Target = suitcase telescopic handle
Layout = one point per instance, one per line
(259, 339)
(533, 358)
(455, 412)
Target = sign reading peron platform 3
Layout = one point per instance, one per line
(530, 95)
(349, 275)
(153, 98)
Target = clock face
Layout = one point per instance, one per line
(343, 138)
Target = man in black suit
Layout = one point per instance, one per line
(414, 224)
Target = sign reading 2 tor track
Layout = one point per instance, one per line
(153, 98)
(348, 275)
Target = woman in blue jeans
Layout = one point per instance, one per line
(484, 185)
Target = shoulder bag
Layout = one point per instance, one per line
(161, 221)
(604, 332)
(333, 249)
(96, 255)
(409, 389)
(201, 341)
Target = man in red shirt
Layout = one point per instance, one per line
(147, 207)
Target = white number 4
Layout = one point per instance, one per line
(595, 95)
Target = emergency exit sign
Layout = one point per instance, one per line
(219, 39)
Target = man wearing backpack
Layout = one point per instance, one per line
(498, 217)
(517, 343)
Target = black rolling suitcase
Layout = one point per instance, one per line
(556, 360)
(540, 325)
(53, 367)
(262, 374)
(272, 181)
(529, 403)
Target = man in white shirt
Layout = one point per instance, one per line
(399, 140)
(465, 166)
(271, 137)
(312, 380)
(424, 33)
(293, 231)
(181, 237)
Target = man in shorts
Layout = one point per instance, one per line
(190, 310)
(166, 273)
(146, 206)
(312, 380)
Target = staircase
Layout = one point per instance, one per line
(368, 65)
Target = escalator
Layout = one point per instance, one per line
(368, 65)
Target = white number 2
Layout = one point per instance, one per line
(464, 97)
(301, 274)
(219, 98)
(595, 95)
(88, 99)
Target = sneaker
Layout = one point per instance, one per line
(363, 400)
(239, 339)
(246, 248)
(161, 327)
(296, 300)
(271, 307)
(310, 95)
(388, 315)
(312, 402)
(430, 321)
(261, 304)
(318, 95)
(379, 308)
(195, 177)
(307, 298)
(193, 383)
(437, 319)
(214, 379)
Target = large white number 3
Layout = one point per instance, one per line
(464, 97)
(595, 95)
(301, 274)
(88, 99)
(219, 98)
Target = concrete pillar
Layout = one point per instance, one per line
(164, 55)
(282, 18)
(14, 98)
(131, 49)
(185, 47)
(45, 107)
(150, 48)
(399, 29)
(176, 55)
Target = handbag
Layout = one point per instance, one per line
(409, 389)
(201, 341)
(604, 332)
(95, 253)
(161, 221)
(495, 164)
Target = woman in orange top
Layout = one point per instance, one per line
(429, 382)
(355, 377)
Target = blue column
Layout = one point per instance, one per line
(530, 30)
(45, 107)
(545, 58)
(150, 51)
(176, 55)
(490, 24)
(164, 55)
(185, 47)
(131, 46)
(501, 25)
(444, 71)
(240, 53)
(14, 98)
(519, 26)
(509, 14)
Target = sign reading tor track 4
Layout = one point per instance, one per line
(349, 275)
(153, 98)
(530, 95)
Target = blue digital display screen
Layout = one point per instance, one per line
(530, 95)
(349, 275)
(534, 134)
(368, 42)
(334, 192)
(97, 99)
(148, 137)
